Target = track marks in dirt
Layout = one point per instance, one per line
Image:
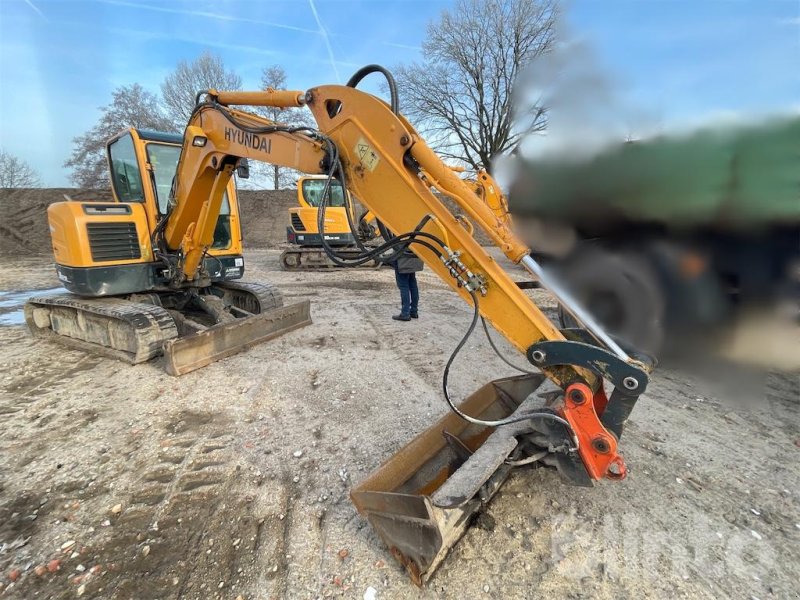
(184, 500)
(31, 379)
(193, 464)
(414, 350)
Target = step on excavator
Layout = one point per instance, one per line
(136, 291)
(567, 409)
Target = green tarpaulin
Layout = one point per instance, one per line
(742, 177)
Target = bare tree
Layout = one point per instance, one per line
(461, 93)
(131, 106)
(181, 86)
(16, 173)
(275, 77)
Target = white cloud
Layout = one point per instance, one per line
(36, 9)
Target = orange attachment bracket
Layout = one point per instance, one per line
(597, 445)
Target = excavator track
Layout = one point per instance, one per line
(253, 297)
(136, 331)
(268, 319)
(315, 259)
(115, 327)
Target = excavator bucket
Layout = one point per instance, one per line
(191, 352)
(422, 500)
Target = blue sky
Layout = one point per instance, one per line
(675, 61)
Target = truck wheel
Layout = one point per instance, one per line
(621, 291)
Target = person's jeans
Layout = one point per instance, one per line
(409, 292)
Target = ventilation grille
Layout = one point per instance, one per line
(297, 223)
(113, 241)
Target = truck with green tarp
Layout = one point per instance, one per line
(674, 233)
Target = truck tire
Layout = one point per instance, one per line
(621, 291)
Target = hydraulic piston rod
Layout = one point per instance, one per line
(573, 307)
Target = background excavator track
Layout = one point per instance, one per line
(314, 259)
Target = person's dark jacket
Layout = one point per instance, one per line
(408, 262)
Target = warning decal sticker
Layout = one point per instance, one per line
(368, 157)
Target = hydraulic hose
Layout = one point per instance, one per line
(499, 422)
(364, 71)
(499, 354)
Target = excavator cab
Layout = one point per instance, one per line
(105, 248)
(303, 229)
(162, 151)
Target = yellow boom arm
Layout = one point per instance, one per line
(396, 176)
(373, 143)
(213, 146)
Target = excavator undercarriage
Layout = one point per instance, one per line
(191, 328)
(316, 259)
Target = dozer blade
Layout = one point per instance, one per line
(197, 350)
(422, 500)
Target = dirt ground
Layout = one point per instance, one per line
(232, 481)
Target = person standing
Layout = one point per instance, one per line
(405, 272)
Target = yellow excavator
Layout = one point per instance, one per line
(127, 298)
(341, 227)
(306, 252)
(565, 411)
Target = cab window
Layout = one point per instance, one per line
(163, 159)
(312, 192)
(125, 175)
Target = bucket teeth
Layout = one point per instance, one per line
(422, 500)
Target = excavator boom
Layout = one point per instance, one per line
(422, 499)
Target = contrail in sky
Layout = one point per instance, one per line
(327, 39)
(200, 13)
(33, 6)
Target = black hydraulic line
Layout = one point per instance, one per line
(348, 209)
(199, 95)
(500, 422)
(500, 355)
(400, 243)
(385, 233)
(364, 71)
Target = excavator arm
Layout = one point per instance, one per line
(391, 169)
(215, 144)
(382, 160)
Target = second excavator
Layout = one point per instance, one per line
(342, 229)
(423, 499)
